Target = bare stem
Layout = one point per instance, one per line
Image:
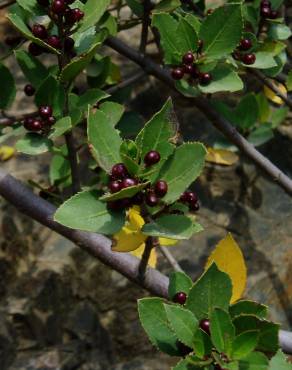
(171, 260)
(145, 25)
(149, 245)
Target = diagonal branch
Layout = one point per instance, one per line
(96, 245)
(202, 104)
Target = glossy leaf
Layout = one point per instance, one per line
(178, 282)
(34, 144)
(244, 343)
(8, 88)
(222, 330)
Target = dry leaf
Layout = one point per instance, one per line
(221, 156)
(229, 259)
(6, 152)
(272, 96)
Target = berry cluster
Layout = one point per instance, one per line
(191, 199)
(188, 67)
(121, 179)
(42, 123)
(267, 11)
(242, 53)
(60, 12)
(180, 298)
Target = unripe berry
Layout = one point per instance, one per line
(54, 41)
(245, 44)
(180, 298)
(45, 111)
(39, 31)
(188, 58)
(115, 186)
(205, 326)
(151, 199)
(127, 182)
(58, 7)
(161, 188)
(151, 158)
(29, 90)
(35, 49)
(119, 171)
(248, 59)
(177, 73)
(205, 79)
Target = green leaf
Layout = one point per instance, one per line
(19, 24)
(85, 212)
(289, 81)
(124, 193)
(186, 89)
(177, 227)
(219, 36)
(167, 6)
(213, 289)
(171, 41)
(188, 34)
(84, 40)
(248, 308)
(222, 330)
(93, 11)
(183, 323)
(8, 89)
(202, 344)
(194, 22)
(113, 111)
(261, 135)
(279, 362)
(51, 92)
(254, 361)
(31, 67)
(31, 6)
(264, 60)
(60, 127)
(278, 31)
(278, 116)
(179, 282)
(34, 144)
(154, 321)
(129, 154)
(182, 168)
(104, 139)
(185, 365)
(224, 78)
(244, 343)
(136, 7)
(90, 97)
(59, 168)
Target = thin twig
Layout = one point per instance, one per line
(127, 82)
(171, 260)
(265, 80)
(149, 245)
(10, 120)
(145, 25)
(203, 105)
(5, 4)
(96, 245)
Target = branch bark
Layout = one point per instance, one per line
(96, 245)
(202, 104)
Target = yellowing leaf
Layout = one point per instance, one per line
(221, 156)
(153, 256)
(167, 242)
(229, 259)
(6, 152)
(272, 96)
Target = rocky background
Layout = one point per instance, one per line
(62, 310)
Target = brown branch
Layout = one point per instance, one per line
(10, 120)
(202, 104)
(96, 245)
(5, 4)
(145, 25)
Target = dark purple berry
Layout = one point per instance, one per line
(54, 41)
(210, 11)
(245, 44)
(161, 188)
(115, 186)
(205, 326)
(266, 3)
(218, 367)
(35, 49)
(177, 73)
(12, 40)
(138, 199)
(195, 72)
(188, 58)
(119, 171)
(273, 14)
(236, 55)
(194, 206)
(29, 90)
(151, 199)
(189, 197)
(33, 124)
(45, 111)
(151, 158)
(59, 7)
(205, 79)
(188, 68)
(183, 349)
(180, 298)
(39, 31)
(50, 121)
(265, 12)
(68, 44)
(248, 59)
(118, 205)
(74, 15)
(127, 182)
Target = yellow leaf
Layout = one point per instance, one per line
(153, 256)
(272, 96)
(167, 242)
(221, 156)
(229, 259)
(6, 152)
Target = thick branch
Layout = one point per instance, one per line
(221, 124)
(96, 245)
